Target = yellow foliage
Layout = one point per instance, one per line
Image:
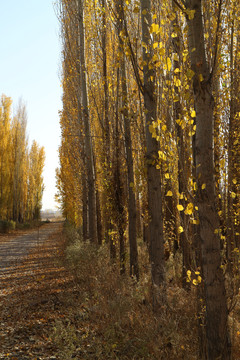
(180, 207)
(180, 229)
(189, 209)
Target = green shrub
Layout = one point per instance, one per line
(12, 225)
(6, 226)
(24, 226)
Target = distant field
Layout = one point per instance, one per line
(51, 215)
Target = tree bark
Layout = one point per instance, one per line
(218, 343)
(132, 211)
(87, 131)
(153, 174)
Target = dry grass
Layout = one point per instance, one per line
(112, 317)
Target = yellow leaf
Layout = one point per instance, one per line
(169, 64)
(195, 222)
(161, 155)
(154, 28)
(151, 128)
(233, 195)
(234, 181)
(195, 282)
(169, 193)
(203, 186)
(193, 114)
(167, 176)
(155, 45)
(190, 13)
(180, 229)
(177, 82)
(189, 209)
(180, 207)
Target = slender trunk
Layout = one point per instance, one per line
(218, 343)
(87, 131)
(132, 211)
(233, 156)
(119, 196)
(153, 174)
(99, 217)
(84, 208)
(107, 151)
(182, 170)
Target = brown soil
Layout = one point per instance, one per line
(31, 301)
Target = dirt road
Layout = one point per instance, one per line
(32, 284)
(15, 250)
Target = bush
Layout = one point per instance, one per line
(110, 316)
(24, 226)
(6, 226)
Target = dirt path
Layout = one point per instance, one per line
(14, 250)
(33, 284)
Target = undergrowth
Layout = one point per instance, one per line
(112, 317)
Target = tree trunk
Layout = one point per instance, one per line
(132, 211)
(153, 174)
(87, 131)
(218, 343)
(182, 168)
(84, 208)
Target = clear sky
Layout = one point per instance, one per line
(30, 53)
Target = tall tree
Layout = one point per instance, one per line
(218, 342)
(132, 211)
(87, 128)
(153, 174)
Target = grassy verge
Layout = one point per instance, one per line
(112, 316)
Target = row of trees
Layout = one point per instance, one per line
(150, 143)
(21, 167)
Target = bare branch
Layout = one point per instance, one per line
(179, 5)
(217, 39)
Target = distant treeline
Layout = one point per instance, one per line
(21, 166)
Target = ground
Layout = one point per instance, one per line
(30, 299)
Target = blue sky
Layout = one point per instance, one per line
(30, 52)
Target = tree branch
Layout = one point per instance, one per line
(216, 41)
(180, 6)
